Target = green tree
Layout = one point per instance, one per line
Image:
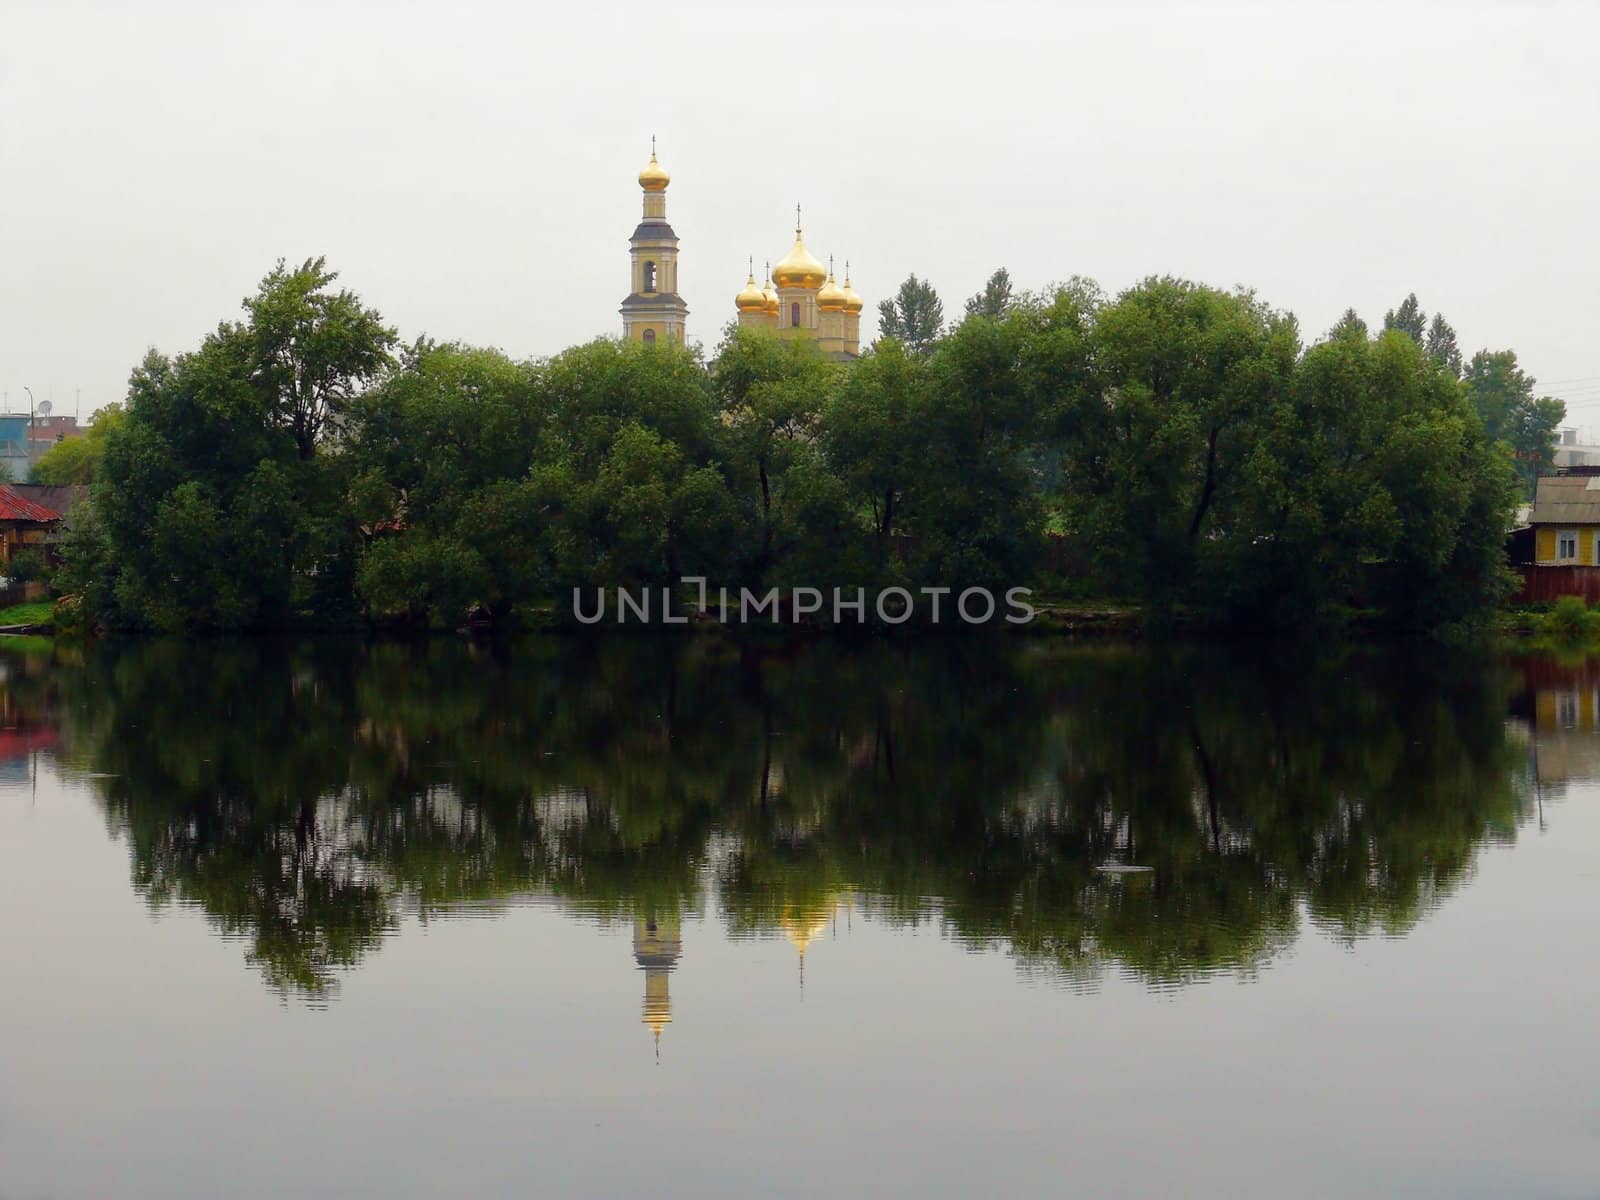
(450, 420)
(1502, 393)
(419, 579)
(975, 508)
(995, 300)
(914, 317)
(1442, 346)
(75, 460)
(209, 506)
(769, 392)
(872, 432)
(312, 349)
(1186, 376)
(1376, 485)
(29, 564)
(1409, 319)
(1349, 324)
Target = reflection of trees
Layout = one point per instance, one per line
(304, 796)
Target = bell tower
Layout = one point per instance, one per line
(654, 312)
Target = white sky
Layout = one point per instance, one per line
(469, 168)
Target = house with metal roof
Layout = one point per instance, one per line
(24, 523)
(1566, 521)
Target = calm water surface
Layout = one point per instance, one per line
(633, 917)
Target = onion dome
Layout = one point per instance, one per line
(654, 177)
(752, 299)
(831, 298)
(798, 269)
(770, 295)
(853, 303)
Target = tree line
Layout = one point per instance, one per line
(1176, 446)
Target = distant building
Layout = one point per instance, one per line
(24, 523)
(48, 431)
(801, 299)
(1566, 521)
(653, 311)
(16, 452)
(807, 302)
(25, 440)
(1558, 552)
(1577, 448)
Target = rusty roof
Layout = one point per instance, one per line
(16, 507)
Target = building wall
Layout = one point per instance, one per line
(1546, 545)
(807, 300)
(1541, 585)
(665, 256)
(665, 331)
(20, 535)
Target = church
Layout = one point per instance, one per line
(800, 298)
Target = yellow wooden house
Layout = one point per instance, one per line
(1566, 521)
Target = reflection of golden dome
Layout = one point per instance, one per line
(797, 268)
(831, 298)
(803, 928)
(752, 298)
(852, 302)
(770, 295)
(654, 177)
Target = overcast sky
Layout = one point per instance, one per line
(470, 168)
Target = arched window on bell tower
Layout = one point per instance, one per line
(649, 277)
(649, 337)
(794, 316)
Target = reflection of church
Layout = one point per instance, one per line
(657, 946)
(803, 924)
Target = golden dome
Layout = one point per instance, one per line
(770, 295)
(798, 268)
(853, 303)
(752, 298)
(654, 177)
(831, 298)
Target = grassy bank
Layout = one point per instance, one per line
(32, 614)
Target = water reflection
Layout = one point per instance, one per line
(1558, 711)
(1167, 814)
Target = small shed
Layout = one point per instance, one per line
(24, 523)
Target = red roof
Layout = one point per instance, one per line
(14, 507)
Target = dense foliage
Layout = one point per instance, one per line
(76, 460)
(1177, 445)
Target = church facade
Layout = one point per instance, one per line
(800, 299)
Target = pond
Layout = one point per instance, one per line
(570, 917)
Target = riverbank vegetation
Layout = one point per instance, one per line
(1177, 447)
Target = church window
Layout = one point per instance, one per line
(649, 277)
(794, 315)
(649, 337)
